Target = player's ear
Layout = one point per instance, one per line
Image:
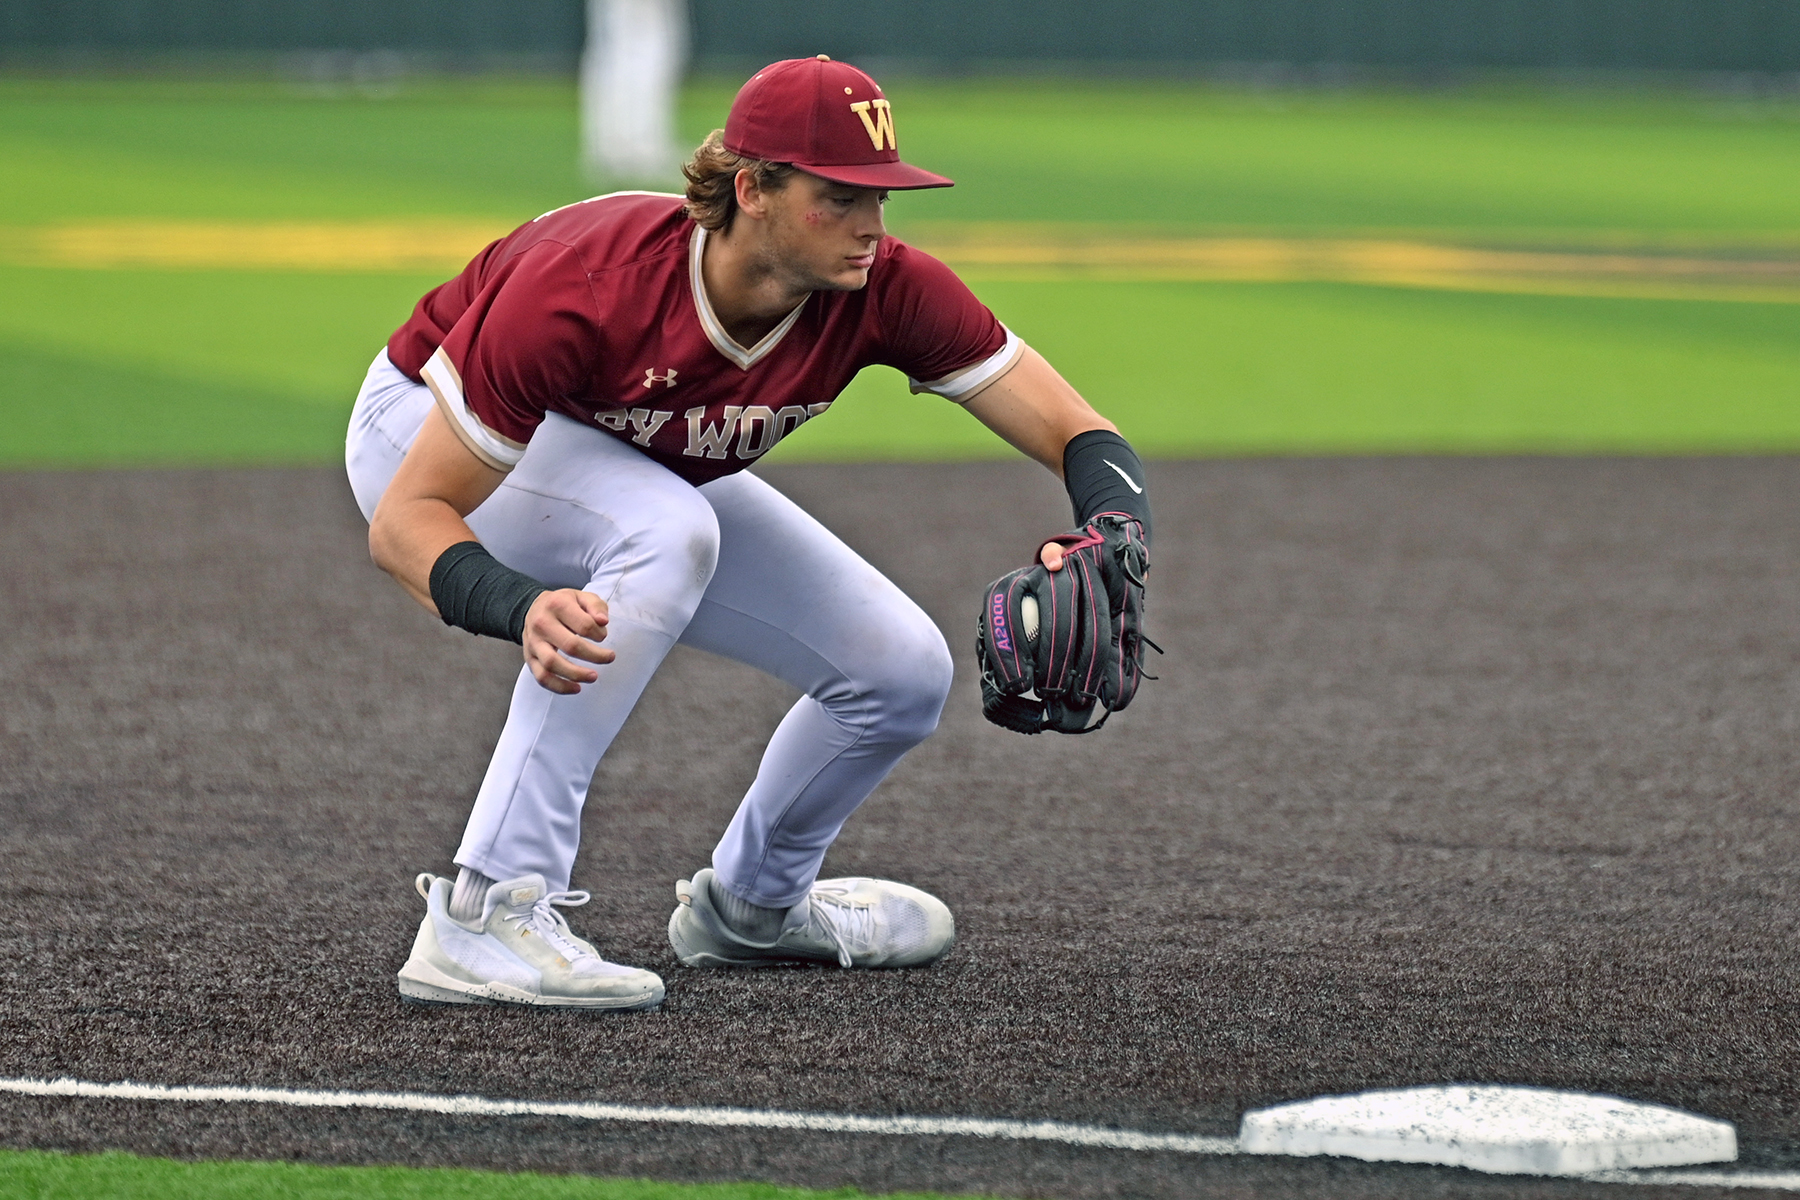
(751, 199)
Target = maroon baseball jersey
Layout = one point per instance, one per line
(597, 311)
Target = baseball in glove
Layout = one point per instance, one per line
(1064, 650)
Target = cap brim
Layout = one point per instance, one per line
(893, 177)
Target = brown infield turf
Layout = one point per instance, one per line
(1475, 770)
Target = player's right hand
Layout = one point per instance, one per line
(562, 627)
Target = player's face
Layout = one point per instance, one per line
(824, 234)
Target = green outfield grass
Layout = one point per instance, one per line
(119, 366)
(122, 367)
(1053, 150)
(37, 1175)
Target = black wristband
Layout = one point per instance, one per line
(474, 591)
(1103, 474)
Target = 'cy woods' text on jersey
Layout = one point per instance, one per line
(757, 427)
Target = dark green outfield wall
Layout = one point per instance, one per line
(1704, 35)
(1731, 35)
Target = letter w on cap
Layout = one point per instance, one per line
(881, 125)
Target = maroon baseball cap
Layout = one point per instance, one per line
(827, 118)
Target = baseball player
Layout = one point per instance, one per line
(552, 449)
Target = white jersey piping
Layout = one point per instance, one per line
(607, 196)
(445, 382)
(961, 386)
(723, 342)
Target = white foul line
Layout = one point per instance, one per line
(724, 1118)
(750, 1118)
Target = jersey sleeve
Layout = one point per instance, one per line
(526, 340)
(936, 331)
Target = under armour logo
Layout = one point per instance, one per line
(651, 378)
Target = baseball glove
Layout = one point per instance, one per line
(1064, 650)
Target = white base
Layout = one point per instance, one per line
(1506, 1130)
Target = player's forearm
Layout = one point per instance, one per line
(421, 513)
(407, 537)
(1035, 410)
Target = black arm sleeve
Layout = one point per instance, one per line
(473, 591)
(1103, 474)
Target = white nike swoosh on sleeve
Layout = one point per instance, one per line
(1122, 475)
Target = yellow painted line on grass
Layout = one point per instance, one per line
(259, 246)
(982, 251)
(995, 253)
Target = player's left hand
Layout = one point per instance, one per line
(1060, 642)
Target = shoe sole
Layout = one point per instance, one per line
(703, 960)
(688, 956)
(421, 983)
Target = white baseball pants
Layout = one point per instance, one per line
(732, 567)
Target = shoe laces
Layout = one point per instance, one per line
(839, 921)
(543, 919)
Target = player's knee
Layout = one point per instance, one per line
(693, 544)
(670, 560)
(911, 683)
(689, 543)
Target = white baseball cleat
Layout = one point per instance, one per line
(852, 922)
(521, 952)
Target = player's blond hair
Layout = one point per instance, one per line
(712, 181)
